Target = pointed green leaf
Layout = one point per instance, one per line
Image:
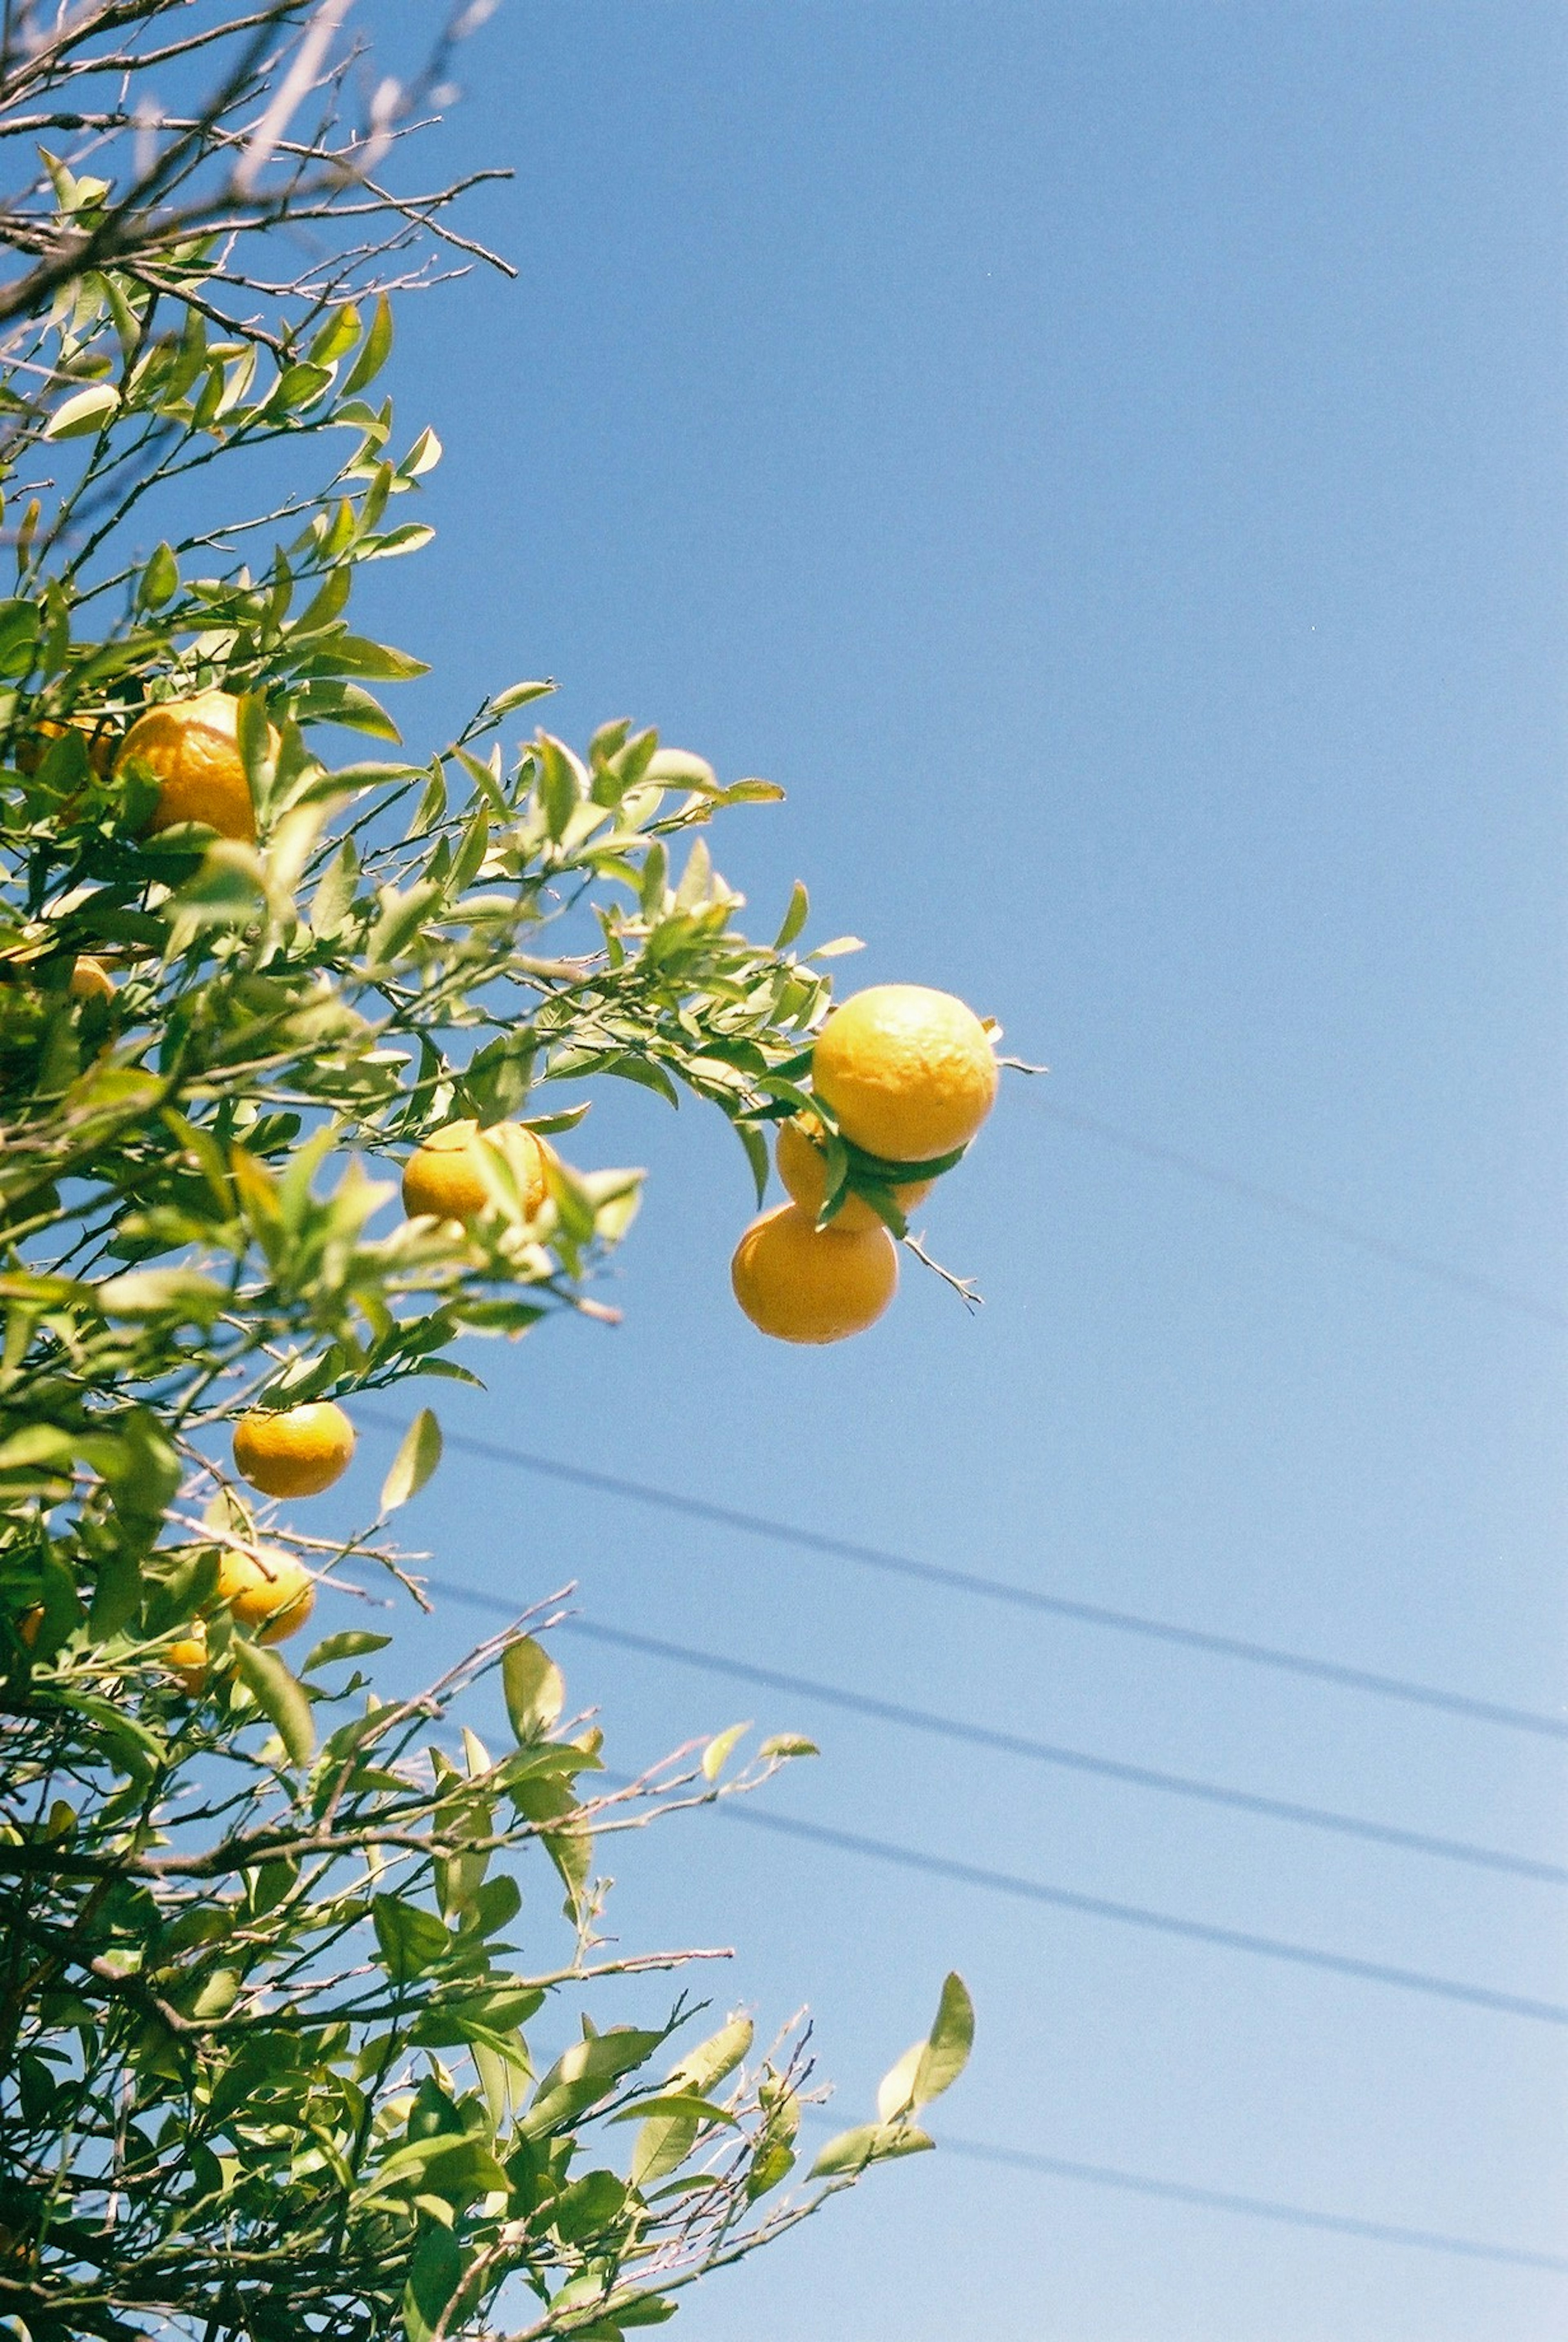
(416, 1460)
(947, 2052)
(534, 1689)
(718, 1750)
(516, 695)
(278, 1695)
(794, 918)
(376, 349)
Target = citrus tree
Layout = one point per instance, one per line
(272, 2061)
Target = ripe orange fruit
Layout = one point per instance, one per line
(28, 1623)
(803, 1170)
(443, 1180)
(803, 1283)
(268, 1591)
(187, 1658)
(910, 1073)
(297, 1453)
(91, 980)
(191, 748)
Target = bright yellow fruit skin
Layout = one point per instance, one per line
(804, 1171)
(801, 1284)
(909, 1073)
(91, 980)
(443, 1180)
(192, 746)
(187, 1658)
(268, 1591)
(295, 1454)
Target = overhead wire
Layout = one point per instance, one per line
(996, 1589)
(1328, 1224)
(1255, 2208)
(1014, 1744)
(1134, 1915)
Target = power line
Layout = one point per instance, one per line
(1402, 1255)
(998, 1589)
(1011, 1744)
(1257, 2207)
(1134, 1915)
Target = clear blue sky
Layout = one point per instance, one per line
(1105, 462)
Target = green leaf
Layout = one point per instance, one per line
(411, 1940)
(794, 918)
(704, 2068)
(401, 918)
(183, 1294)
(755, 1149)
(773, 2163)
(718, 1750)
(435, 2274)
(354, 655)
(229, 889)
(952, 2037)
(336, 337)
(683, 2103)
(588, 2072)
(457, 2167)
(678, 768)
(355, 1643)
(662, 2145)
(160, 579)
(376, 349)
(516, 695)
(278, 1695)
(561, 784)
(18, 637)
(931, 2066)
(853, 2150)
(416, 1460)
(299, 386)
(423, 456)
(89, 410)
(788, 1744)
(534, 1689)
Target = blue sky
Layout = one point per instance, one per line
(1105, 462)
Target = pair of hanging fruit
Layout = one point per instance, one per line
(905, 1076)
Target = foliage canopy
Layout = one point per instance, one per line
(265, 2042)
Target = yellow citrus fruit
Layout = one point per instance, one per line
(28, 1623)
(803, 1283)
(191, 748)
(803, 1170)
(268, 1591)
(32, 751)
(91, 980)
(443, 1180)
(910, 1073)
(187, 1658)
(297, 1453)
